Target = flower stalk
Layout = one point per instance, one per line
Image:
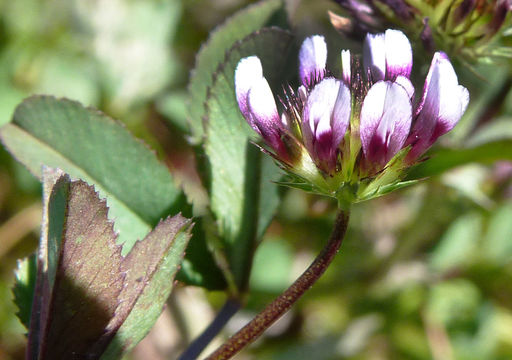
(284, 302)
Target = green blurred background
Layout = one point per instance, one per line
(425, 273)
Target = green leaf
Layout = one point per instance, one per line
(213, 51)
(468, 180)
(453, 301)
(136, 59)
(497, 245)
(458, 243)
(85, 288)
(481, 100)
(272, 266)
(23, 289)
(199, 267)
(446, 159)
(497, 129)
(174, 107)
(243, 198)
(157, 281)
(91, 146)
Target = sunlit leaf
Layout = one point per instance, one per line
(91, 146)
(243, 197)
(212, 53)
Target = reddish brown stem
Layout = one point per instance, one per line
(284, 302)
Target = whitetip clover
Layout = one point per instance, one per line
(352, 138)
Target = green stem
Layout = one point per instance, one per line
(284, 302)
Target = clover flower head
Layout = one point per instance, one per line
(347, 133)
(475, 30)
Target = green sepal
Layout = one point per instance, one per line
(386, 180)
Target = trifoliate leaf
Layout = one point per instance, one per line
(23, 289)
(86, 290)
(89, 145)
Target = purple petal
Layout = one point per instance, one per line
(331, 129)
(385, 121)
(264, 117)
(345, 65)
(257, 103)
(247, 72)
(398, 54)
(325, 121)
(374, 56)
(443, 104)
(312, 59)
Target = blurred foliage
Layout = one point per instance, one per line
(424, 273)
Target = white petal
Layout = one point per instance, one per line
(262, 106)
(321, 103)
(318, 110)
(371, 113)
(406, 84)
(444, 100)
(285, 120)
(453, 98)
(341, 114)
(385, 116)
(312, 58)
(438, 56)
(398, 54)
(303, 93)
(442, 105)
(345, 65)
(396, 120)
(374, 56)
(247, 72)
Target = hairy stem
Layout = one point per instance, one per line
(201, 342)
(284, 302)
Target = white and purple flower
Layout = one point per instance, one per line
(368, 116)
